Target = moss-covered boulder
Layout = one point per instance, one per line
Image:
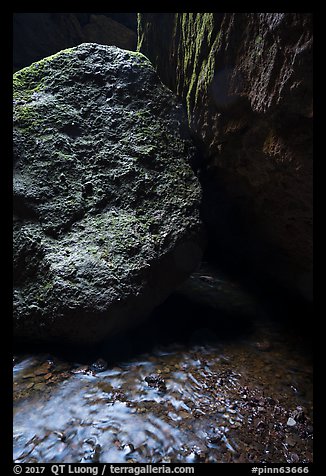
(106, 206)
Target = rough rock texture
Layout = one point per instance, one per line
(37, 35)
(246, 79)
(106, 207)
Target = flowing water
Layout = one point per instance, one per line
(205, 397)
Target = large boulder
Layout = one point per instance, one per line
(246, 79)
(106, 206)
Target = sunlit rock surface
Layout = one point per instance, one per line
(106, 206)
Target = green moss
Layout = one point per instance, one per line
(31, 79)
(27, 82)
(140, 36)
(197, 32)
(258, 40)
(194, 40)
(140, 59)
(48, 286)
(26, 118)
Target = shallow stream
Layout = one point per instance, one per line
(204, 397)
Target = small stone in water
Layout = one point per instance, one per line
(299, 414)
(28, 376)
(60, 435)
(131, 447)
(117, 443)
(155, 380)
(100, 365)
(184, 414)
(43, 369)
(294, 458)
(290, 441)
(80, 370)
(291, 422)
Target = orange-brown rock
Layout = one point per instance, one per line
(246, 80)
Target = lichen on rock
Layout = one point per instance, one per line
(106, 205)
(246, 81)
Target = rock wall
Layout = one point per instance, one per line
(246, 80)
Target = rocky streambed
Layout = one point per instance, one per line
(243, 394)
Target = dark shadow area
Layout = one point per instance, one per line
(237, 246)
(236, 242)
(38, 35)
(180, 321)
(177, 321)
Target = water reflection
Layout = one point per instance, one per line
(214, 385)
(209, 404)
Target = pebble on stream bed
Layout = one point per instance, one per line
(191, 408)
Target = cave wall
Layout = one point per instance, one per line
(246, 82)
(37, 35)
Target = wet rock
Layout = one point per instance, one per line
(28, 375)
(261, 425)
(43, 369)
(81, 369)
(299, 415)
(184, 415)
(219, 293)
(90, 261)
(60, 435)
(156, 381)
(100, 365)
(290, 441)
(97, 453)
(291, 422)
(216, 437)
(294, 458)
(130, 447)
